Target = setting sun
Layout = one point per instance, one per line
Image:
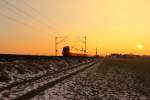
(74, 49)
(112, 26)
(140, 46)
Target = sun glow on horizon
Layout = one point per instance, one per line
(120, 26)
(140, 46)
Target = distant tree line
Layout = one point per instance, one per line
(132, 56)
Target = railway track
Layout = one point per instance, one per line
(29, 88)
(8, 87)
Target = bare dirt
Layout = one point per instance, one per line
(114, 79)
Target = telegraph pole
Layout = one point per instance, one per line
(85, 44)
(56, 46)
(84, 41)
(57, 41)
(96, 51)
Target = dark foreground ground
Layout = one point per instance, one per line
(109, 79)
(113, 79)
(22, 74)
(17, 68)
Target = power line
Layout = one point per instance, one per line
(38, 12)
(13, 11)
(23, 12)
(35, 10)
(16, 8)
(13, 19)
(17, 21)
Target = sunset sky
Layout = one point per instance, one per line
(113, 26)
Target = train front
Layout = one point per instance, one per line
(66, 51)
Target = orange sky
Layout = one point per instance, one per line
(113, 26)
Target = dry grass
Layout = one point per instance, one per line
(135, 64)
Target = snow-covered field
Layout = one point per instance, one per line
(110, 79)
(17, 71)
(114, 79)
